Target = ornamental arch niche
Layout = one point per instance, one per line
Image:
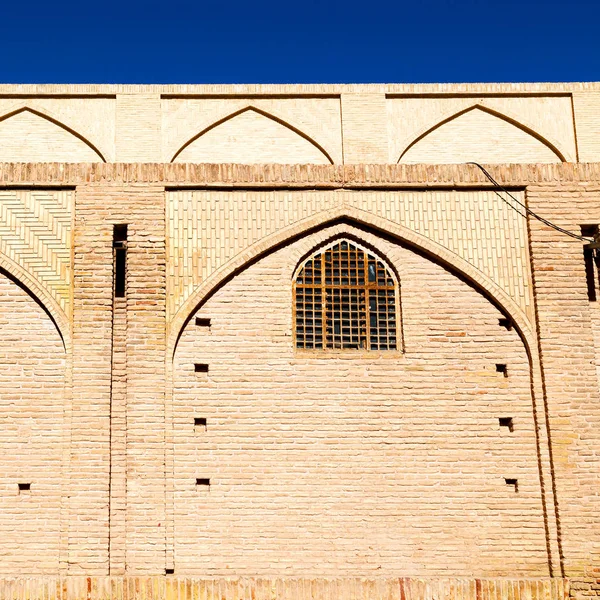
(28, 135)
(252, 136)
(349, 441)
(458, 139)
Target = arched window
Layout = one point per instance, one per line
(345, 297)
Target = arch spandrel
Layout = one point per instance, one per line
(447, 220)
(35, 241)
(358, 218)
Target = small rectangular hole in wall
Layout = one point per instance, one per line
(202, 322)
(506, 323)
(201, 368)
(120, 252)
(590, 261)
(501, 368)
(169, 571)
(506, 422)
(203, 482)
(200, 422)
(24, 487)
(514, 483)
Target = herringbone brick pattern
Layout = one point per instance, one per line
(35, 232)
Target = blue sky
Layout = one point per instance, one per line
(292, 42)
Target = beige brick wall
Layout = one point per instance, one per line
(27, 137)
(568, 358)
(402, 453)
(32, 405)
(364, 128)
(138, 128)
(46, 130)
(586, 107)
(376, 465)
(36, 233)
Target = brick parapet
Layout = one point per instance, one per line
(298, 89)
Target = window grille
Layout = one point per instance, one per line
(345, 297)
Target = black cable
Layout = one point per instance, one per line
(527, 210)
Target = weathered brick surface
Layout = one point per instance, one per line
(568, 359)
(331, 465)
(32, 382)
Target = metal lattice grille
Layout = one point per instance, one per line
(345, 298)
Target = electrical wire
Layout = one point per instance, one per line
(527, 210)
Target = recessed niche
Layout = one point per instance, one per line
(506, 323)
(502, 368)
(24, 488)
(200, 422)
(202, 322)
(169, 571)
(201, 368)
(514, 483)
(506, 422)
(202, 482)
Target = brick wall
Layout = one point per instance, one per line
(32, 388)
(402, 452)
(350, 465)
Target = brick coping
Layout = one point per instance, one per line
(302, 89)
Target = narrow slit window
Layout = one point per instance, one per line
(591, 262)
(120, 256)
(345, 298)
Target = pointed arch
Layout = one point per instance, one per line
(16, 273)
(263, 113)
(54, 121)
(552, 146)
(492, 291)
(344, 281)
